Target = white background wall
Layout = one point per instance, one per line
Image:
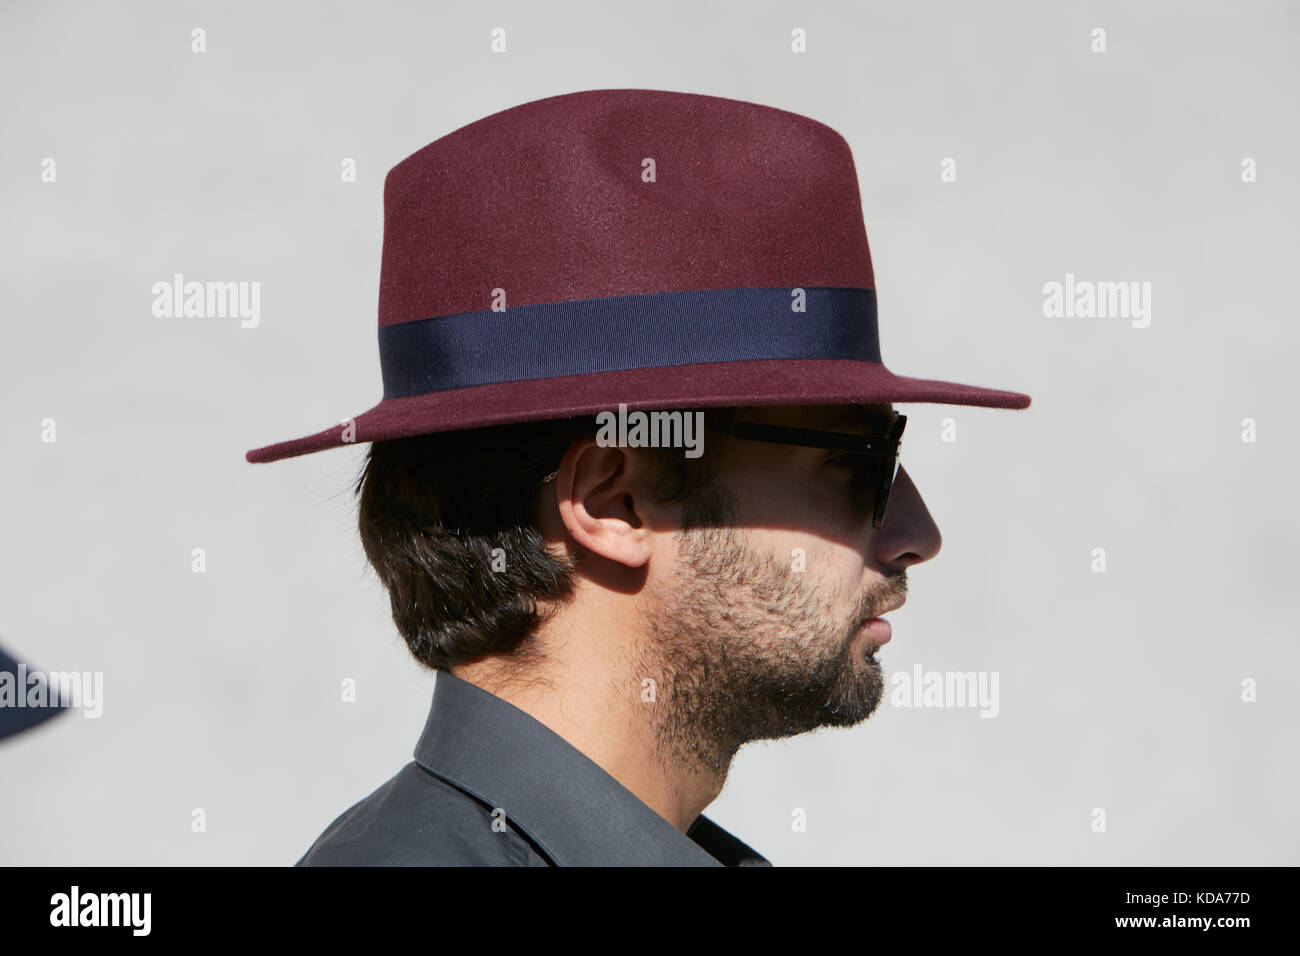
(1118, 690)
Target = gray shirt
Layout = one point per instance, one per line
(493, 786)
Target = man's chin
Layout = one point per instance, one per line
(849, 699)
(853, 704)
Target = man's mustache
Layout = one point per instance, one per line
(873, 603)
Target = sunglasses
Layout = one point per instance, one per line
(874, 457)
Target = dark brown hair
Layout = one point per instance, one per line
(449, 523)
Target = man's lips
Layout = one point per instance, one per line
(879, 629)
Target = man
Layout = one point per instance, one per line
(614, 611)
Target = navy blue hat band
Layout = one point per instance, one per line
(618, 333)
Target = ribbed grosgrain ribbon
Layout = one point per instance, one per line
(627, 332)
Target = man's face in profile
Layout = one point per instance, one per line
(760, 629)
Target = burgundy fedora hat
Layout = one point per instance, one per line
(651, 248)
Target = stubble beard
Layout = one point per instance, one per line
(745, 650)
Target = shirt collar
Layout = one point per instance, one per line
(566, 803)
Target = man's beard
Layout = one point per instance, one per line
(743, 649)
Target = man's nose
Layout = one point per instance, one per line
(908, 534)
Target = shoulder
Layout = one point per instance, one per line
(418, 819)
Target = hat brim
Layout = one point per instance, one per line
(744, 383)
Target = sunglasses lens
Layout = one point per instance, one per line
(885, 482)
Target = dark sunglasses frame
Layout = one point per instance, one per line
(881, 449)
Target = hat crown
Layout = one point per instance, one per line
(619, 192)
(656, 249)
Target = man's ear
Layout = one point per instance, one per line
(602, 493)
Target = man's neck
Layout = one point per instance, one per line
(608, 714)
